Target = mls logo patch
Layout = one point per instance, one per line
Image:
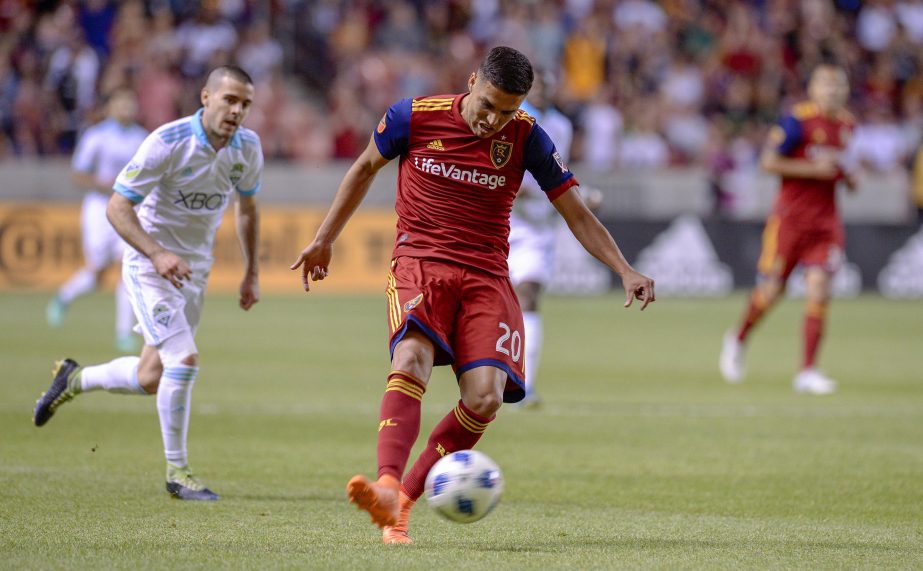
(162, 315)
(382, 125)
(500, 153)
(132, 171)
(413, 303)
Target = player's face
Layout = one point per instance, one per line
(487, 108)
(123, 107)
(829, 88)
(226, 106)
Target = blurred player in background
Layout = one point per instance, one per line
(533, 224)
(804, 227)
(101, 153)
(181, 179)
(450, 300)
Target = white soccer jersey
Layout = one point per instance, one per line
(531, 206)
(533, 219)
(183, 186)
(106, 147)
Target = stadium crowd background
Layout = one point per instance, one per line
(648, 84)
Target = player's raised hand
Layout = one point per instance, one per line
(314, 261)
(171, 267)
(249, 292)
(638, 286)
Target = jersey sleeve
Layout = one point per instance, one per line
(143, 172)
(251, 181)
(86, 155)
(546, 164)
(392, 136)
(786, 135)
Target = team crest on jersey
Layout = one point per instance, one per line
(132, 170)
(162, 315)
(819, 136)
(500, 153)
(382, 124)
(237, 171)
(413, 303)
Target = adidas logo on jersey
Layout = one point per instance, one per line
(436, 145)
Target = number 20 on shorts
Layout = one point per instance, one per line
(515, 345)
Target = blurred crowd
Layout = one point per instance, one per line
(647, 83)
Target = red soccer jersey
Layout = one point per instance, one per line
(455, 191)
(805, 134)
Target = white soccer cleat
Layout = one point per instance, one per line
(731, 362)
(812, 382)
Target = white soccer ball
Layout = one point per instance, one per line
(464, 486)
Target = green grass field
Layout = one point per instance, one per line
(641, 457)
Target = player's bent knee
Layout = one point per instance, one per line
(179, 351)
(414, 354)
(484, 404)
(149, 379)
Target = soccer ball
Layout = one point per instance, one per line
(464, 486)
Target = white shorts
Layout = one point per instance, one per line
(161, 309)
(102, 246)
(531, 252)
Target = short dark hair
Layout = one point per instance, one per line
(229, 70)
(507, 69)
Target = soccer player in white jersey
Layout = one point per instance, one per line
(101, 153)
(533, 223)
(181, 180)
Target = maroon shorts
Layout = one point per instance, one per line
(472, 317)
(785, 245)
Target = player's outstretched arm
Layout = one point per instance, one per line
(122, 216)
(314, 260)
(597, 241)
(824, 167)
(248, 233)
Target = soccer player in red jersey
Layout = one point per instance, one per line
(450, 301)
(804, 226)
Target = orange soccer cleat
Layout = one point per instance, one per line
(397, 534)
(378, 498)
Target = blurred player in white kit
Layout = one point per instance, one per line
(102, 151)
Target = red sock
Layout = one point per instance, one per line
(756, 308)
(813, 331)
(399, 423)
(459, 430)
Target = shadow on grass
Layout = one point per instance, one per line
(553, 545)
(319, 497)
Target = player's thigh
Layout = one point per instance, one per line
(489, 331)
(422, 296)
(823, 249)
(414, 354)
(159, 307)
(482, 389)
(780, 250)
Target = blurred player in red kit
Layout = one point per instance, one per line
(450, 300)
(805, 149)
